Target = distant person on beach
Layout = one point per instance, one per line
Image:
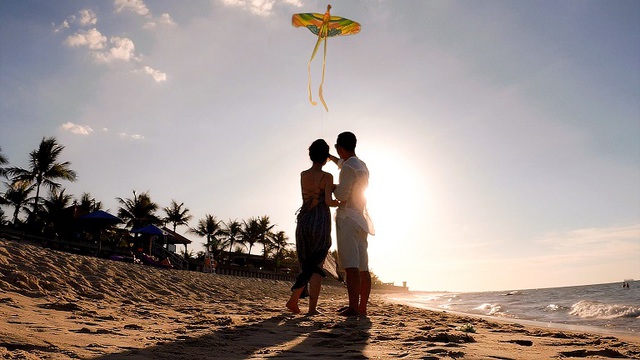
(313, 229)
(353, 224)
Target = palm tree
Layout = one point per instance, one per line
(265, 236)
(3, 161)
(53, 212)
(209, 227)
(250, 232)
(88, 204)
(187, 255)
(280, 244)
(17, 195)
(138, 211)
(44, 169)
(176, 215)
(232, 230)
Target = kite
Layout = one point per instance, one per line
(324, 26)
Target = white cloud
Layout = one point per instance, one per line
(64, 25)
(259, 7)
(116, 48)
(77, 129)
(136, 6)
(122, 49)
(87, 17)
(134, 137)
(584, 237)
(164, 20)
(296, 3)
(92, 39)
(157, 75)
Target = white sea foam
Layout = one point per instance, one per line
(491, 309)
(552, 307)
(597, 310)
(601, 305)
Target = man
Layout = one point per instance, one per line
(353, 224)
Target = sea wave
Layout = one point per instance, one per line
(490, 309)
(511, 293)
(552, 307)
(596, 310)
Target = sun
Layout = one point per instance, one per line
(395, 195)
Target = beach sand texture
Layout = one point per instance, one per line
(55, 305)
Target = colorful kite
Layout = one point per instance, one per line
(324, 26)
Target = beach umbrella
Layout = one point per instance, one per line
(99, 220)
(101, 217)
(150, 230)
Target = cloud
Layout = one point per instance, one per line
(133, 137)
(77, 129)
(114, 49)
(581, 238)
(92, 39)
(136, 6)
(591, 245)
(157, 75)
(87, 17)
(259, 7)
(164, 19)
(122, 49)
(140, 8)
(64, 25)
(85, 130)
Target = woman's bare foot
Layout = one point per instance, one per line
(293, 307)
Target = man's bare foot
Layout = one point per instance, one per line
(314, 312)
(349, 312)
(362, 312)
(293, 307)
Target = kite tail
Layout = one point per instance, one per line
(313, 54)
(309, 86)
(324, 60)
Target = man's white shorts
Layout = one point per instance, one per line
(352, 245)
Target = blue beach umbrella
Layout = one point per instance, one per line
(99, 220)
(149, 230)
(101, 217)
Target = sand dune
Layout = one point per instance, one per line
(55, 305)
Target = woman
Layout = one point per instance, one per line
(313, 231)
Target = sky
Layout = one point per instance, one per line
(502, 137)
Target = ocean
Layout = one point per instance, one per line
(607, 308)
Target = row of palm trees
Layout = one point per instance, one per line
(45, 214)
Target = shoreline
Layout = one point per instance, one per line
(61, 306)
(628, 335)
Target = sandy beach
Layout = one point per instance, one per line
(55, 305)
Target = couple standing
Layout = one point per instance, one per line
(313, 231)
